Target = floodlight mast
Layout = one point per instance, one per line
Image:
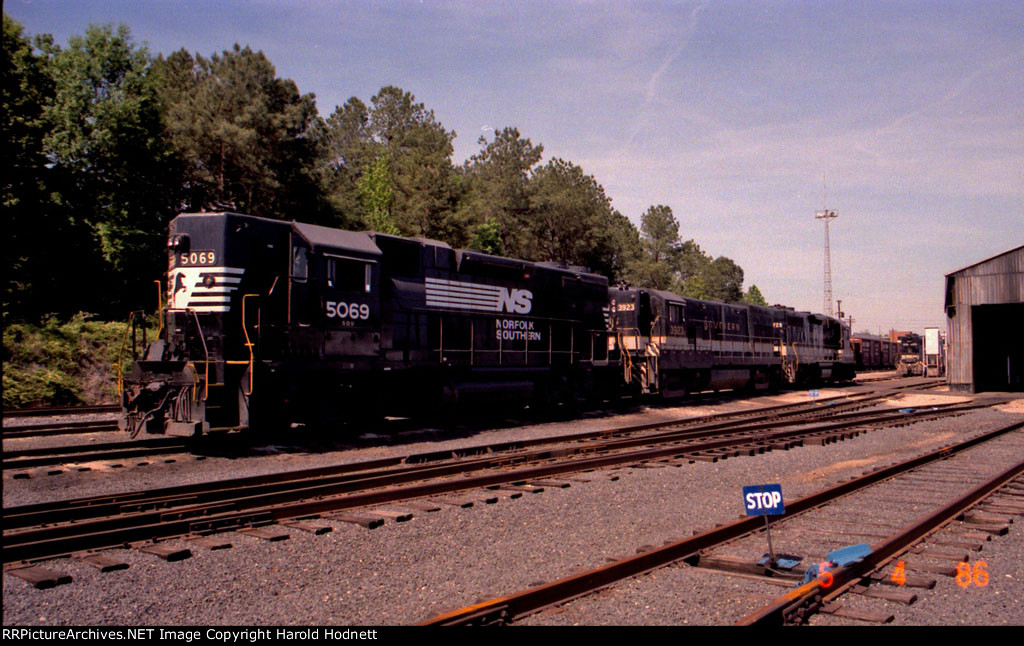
(827, 215)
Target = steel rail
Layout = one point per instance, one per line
(690, 424)
(511, 607)
(27, 458)
(307, 499)
(16, 459)
(58, 428)
(43, 411)
(401, 472)
(795, 606)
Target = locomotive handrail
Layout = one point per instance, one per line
(206, 356)
(248, 344)
(627, 373)
(159, 308)
(206, 352)
(120, 353)
(195, 376)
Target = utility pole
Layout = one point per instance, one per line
(827, 215)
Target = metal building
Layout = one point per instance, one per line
(985, 314)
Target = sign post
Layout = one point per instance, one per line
(764, 500)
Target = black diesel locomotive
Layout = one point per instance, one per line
(270, 322)
(675, 345)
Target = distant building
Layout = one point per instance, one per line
(896, 335)
(985, 316)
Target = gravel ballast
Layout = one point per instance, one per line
(407, 572)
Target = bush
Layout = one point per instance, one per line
(62, 364)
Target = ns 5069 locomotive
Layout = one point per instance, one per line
(270, 322)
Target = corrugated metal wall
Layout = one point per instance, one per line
(995, 281)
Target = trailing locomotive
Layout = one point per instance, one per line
(675, 345)
(270, 322)
(911, 357)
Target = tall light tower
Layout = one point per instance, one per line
(827, 215)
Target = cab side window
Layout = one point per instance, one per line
(675, 314)
(300, 263)
(348, 275)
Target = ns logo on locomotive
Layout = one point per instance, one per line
(270, 322)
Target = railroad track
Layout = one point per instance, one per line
(46, 411)
(887, 562)
(83, 453)
(39, 532)
(76, 454)
(58, 428)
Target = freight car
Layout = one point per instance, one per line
(270, 322)
(874, 352)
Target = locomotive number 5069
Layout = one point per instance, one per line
(347, 310)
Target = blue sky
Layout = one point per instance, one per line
(744, 117)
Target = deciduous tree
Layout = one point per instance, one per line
(108, 159)
(32, 224)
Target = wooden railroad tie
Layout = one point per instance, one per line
(40, 577)
(102, 562)
(361, 519)
(399, 516)
(861, 614)
(166, 552)
(312, 528)
(211, 542)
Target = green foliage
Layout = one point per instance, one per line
(495, 181)
(754, 297)
(377, 194)
(62, 363)
(25, 92)
(421, 180)
(487, 237)
(622, 248)
(420, 150)
(721, 280)
(242, 134)
(109, 175)
(571, 220)
(658, 263)
(665, 261)
(344, 152)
